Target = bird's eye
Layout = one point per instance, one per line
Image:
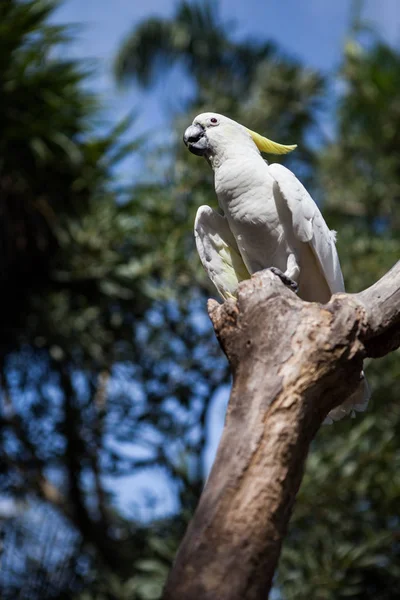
(213, 120)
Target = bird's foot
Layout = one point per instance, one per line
(290, 283)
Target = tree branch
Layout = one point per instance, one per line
(382, 304)
(292, 363)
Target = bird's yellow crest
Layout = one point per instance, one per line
(266, 145)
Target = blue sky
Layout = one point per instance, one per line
(313, 31)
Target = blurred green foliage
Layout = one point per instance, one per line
(105, 340)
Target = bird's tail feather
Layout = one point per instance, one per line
(357, 402)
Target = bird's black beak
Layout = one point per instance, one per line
(196, 140)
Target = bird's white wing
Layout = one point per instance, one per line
(218, 251)
(308, 225)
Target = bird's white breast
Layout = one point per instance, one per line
(245, 194)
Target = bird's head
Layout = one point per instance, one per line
(213, 134)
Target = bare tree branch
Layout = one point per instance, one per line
(382, 305)
(292, 362)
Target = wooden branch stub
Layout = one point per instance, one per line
(292, 363)
(382, 304)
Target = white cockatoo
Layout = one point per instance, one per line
(267, 220)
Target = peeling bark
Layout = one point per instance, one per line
(292, 363)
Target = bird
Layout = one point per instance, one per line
(267, 220)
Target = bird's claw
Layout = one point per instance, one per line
(290, 283)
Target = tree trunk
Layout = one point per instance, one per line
(292, 362)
